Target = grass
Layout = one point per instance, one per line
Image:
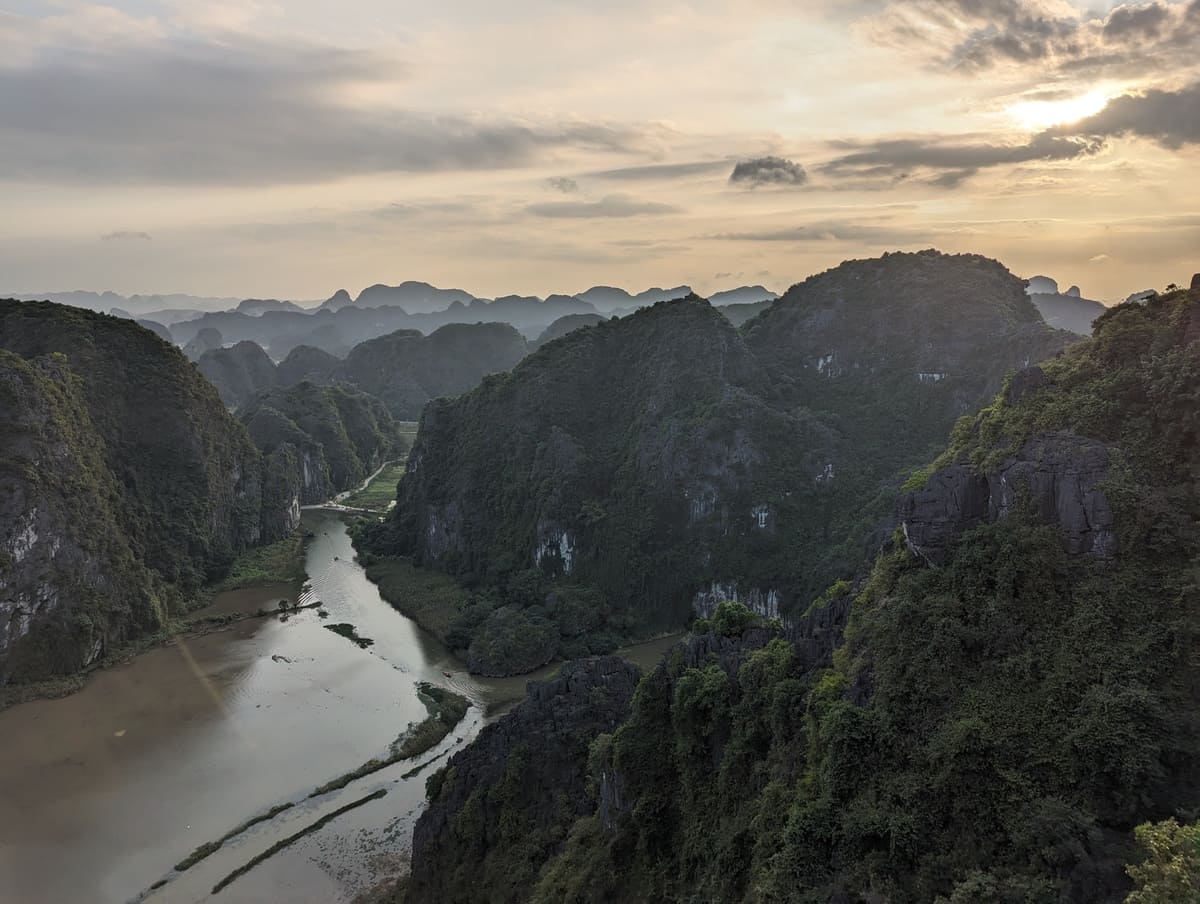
(446, 709)
(349, 632)
(212, 847)
(280, 563)
(432, 599)
(292, 839)
(381, 491)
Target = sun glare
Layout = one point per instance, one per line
(1041, 114)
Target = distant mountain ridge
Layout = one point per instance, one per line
(1067, 310)
(404, 369)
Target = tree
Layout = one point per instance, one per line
(1170, 872)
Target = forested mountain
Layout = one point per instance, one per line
(406, 369)
(239, 373)
(564, 325)
(126, 485)
(665, 461)
(1016, 689)
(326, 439)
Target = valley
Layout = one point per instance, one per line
(156, 757)
(658, 607)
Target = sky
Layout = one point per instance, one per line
(288, 149)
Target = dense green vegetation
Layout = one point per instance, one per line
(239, 373)
(338, 435)
(431, 599)
(124, 486)
(281, 562)
(406, 369)
(992, 730)
(589, 494)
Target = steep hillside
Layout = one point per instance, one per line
(239, 373)
(175, 485)
(406, 369)
(305, 362)
(991, 728)
(668, 463)
(542, 745)
(330, 437)
(564, 325)
(204, 340)
(740, 314)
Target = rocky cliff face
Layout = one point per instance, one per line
(327, 439)
(120, 451)
(1058, 476)
(667, 458)
(69, 583)
(500, 807)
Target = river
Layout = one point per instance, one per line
(105, 790)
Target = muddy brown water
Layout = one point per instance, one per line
(102, 792)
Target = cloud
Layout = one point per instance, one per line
(767, 171)
(1041, 35)
(661, 171)
(241, 111)
(610, 206)
(867, 233)
(1098, 258)
(399, 210)
(1139, 22)
(125, 236)
(562, 184)
(946, 163)
(1169, 118)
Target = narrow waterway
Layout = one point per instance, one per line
(105, 790)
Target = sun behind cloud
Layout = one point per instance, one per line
(1042, 114)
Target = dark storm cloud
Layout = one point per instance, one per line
(767, 171)
(243, 113)
(611, 206)
(947, 163)
(1170, 118)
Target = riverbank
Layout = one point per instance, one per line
(160, 757)
(435, 600)
(277, 570)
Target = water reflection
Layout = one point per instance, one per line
(106, 789)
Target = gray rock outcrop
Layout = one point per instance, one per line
(1057, 474)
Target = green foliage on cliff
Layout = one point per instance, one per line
(648, 457)
(342, 434)
(127, 485)
(992, 730)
